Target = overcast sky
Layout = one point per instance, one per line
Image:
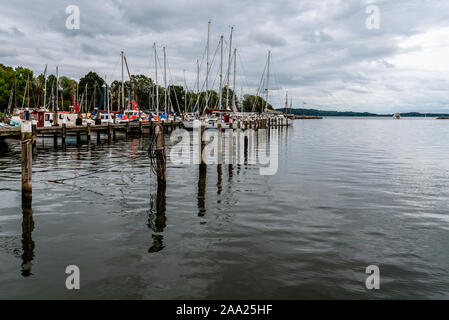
(322, 51)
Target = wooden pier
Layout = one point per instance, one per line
(86, 130)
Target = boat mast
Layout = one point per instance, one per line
(165, 81)
(229, 69)
(15, 92)
(157, 86)
(286, 102)
(57, 82)
(268, 79)
(207, 65)
(221, 74)
(107, 93)
(10, 99)
(185, 92)
(234, 108)
(123, 83)
(85, 98)
(45, 87)
(28, 92)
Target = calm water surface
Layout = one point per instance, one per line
(349, 193)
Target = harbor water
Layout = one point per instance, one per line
(348, 193)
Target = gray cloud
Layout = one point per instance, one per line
(322, 52)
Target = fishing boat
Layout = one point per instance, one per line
(396, 116)
(134, 114)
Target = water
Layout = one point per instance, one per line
(349, 193)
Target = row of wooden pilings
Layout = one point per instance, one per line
(29, 141)
(29, 134)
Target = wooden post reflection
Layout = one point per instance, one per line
(202, 190)
(158, 220)
(27, 240)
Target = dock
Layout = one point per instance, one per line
(86, 130)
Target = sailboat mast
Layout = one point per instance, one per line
(268, 78)
(157, 86)
(221, 74)
(234, 108)
(57, 89)
(286, 102)
(165, 81)
(15, 92)
(229, 69)
(28, 92)
(123, 82)
(185, 92)
(197, 76)
(207, 65)
(85, 98)
(45, 87)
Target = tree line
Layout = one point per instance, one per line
(15, 93)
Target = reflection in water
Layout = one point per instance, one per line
(157, 220)
(4, 148)
(219, 179)
(202, 190)
(27, 240)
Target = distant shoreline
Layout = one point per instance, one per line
(324, 113)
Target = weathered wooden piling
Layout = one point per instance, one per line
(127, 130)
(64, 133)
(27, 158)
(109, 132)
(160, 155)
(202, 173)
(88, 132)
(202, 142)
(34, 137)
(27, 239)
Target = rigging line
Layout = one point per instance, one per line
(260, 85)
(245, 79)
(204, 83)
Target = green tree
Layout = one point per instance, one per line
(91, 79)
(254, 103)
(6, 84)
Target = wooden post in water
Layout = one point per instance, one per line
(34, 137)
(27, 158)
(202, 142)
(202, 173)
(160, 156)
(109, 132)
(127, 129)
(64, 133)
(88, 132)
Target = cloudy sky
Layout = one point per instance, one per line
(322, 51)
